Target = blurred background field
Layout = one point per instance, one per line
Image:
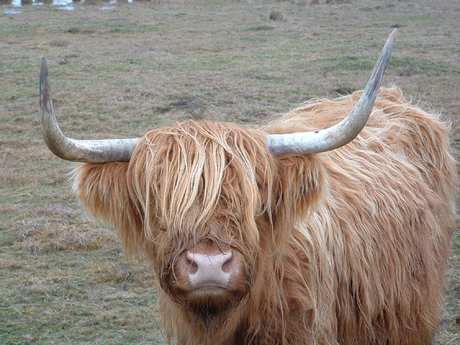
(119, 69)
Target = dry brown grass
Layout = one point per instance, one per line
(123, 70)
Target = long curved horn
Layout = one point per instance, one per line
(346, 130)
(91, 151)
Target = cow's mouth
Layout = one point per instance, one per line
(211, 301)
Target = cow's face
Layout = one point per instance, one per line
(209, 204)
(204, 192)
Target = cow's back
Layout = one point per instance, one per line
(386, 219)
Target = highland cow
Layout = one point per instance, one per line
(289, 234)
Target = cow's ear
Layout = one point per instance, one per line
(103, 191)
(302, 183)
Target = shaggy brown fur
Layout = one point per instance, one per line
(347, 246)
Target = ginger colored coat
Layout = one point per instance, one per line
(343, 247)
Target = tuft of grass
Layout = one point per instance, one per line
(276, 15)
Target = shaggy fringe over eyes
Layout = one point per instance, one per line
(189, 174)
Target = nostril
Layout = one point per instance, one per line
(190, 256)
(190, 263)
(227, 265)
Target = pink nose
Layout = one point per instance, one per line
(209, 270)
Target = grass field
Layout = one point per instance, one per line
(120, 69)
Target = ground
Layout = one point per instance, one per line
(118, 69)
